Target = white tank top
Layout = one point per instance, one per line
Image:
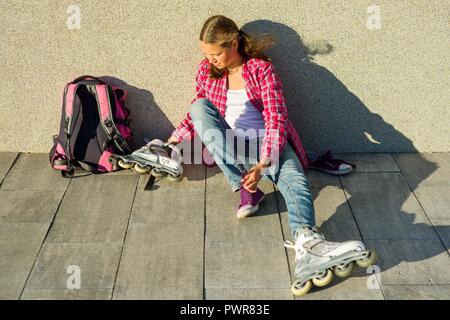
(242, 114)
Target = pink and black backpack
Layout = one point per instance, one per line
(94, 125)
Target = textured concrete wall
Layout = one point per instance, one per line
(349, 87)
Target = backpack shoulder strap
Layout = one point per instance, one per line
(107, 119)
(68, 110)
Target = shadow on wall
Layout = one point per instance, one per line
(147, 119)
(344, 124)
(316, 94)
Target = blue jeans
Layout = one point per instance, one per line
(290, 178)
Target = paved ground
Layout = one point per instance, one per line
(181, 240)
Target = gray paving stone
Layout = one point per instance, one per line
(183, 201)
(96, 208)
(435, 201)
(370, 162)
(29, 206)
(33, 172)
(6, 161)
(248, 294)
(333, 215)
(215, 178)
(244, 259)
(162, 261)
(254, 228)
(417, 292)
(67, 294)
(410, 262)
(385, 208)
(425, 169)
(222, 224)
(19, 246)
(122, 172)
(361, 285)
(319, 179)
(221, 203)
(245, 253)
(194, 174)
(443, 229)
(97, 262)
(237, 265)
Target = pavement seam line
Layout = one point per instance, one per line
(10, 168)
(125, 237)
(275, 189)
(419, 285)
(204, 233)
(44, 241)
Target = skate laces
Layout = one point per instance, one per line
(297, 247)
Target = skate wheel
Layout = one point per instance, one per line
(300, 289)
(175, 178)
(140, 169)
(368, 261)
(323, 280)
(344, 271)
(125, 165)
(157, 173)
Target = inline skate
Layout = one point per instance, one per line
(317, 259)
(154, 158)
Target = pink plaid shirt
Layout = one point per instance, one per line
(264, 90)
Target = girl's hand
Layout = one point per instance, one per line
(172, 140)
(251, 179)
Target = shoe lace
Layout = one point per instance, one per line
(299, 250)
(245, 196)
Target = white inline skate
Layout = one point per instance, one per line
(154, 158)
(317, 259)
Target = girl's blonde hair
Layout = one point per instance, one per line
(220, 30)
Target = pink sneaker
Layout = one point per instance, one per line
(328, 164)
(249, 202)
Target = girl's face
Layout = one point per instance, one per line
(220, 57)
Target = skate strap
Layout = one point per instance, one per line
(88, 167)
(176, 149)
(311, 244)
(305, 241)
(171, 146)
(150, 183)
